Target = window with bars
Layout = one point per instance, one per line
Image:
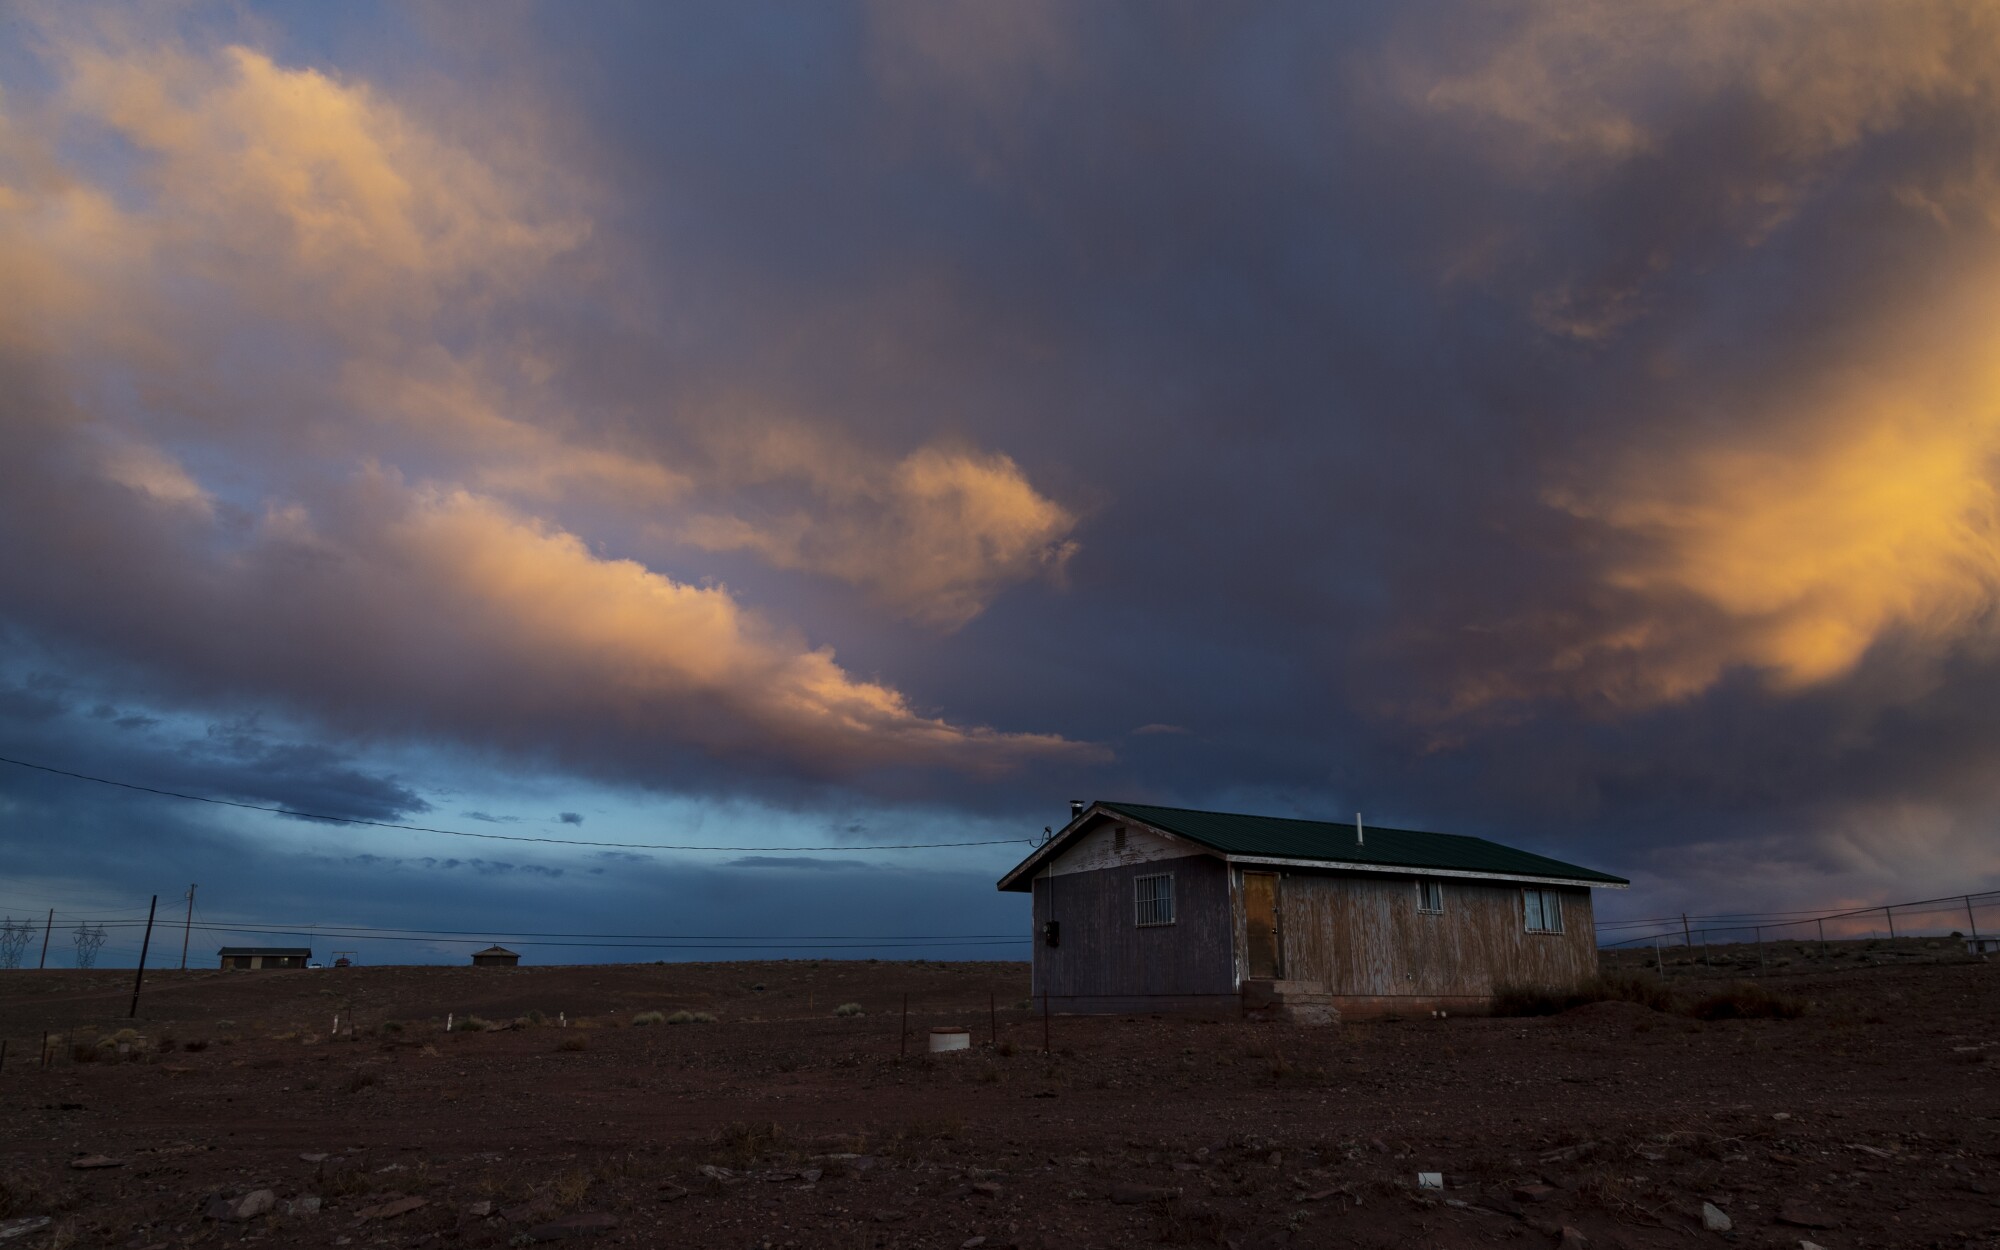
(1543, 910)
(1154, 897)
(1430, 896)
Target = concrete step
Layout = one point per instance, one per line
(1302, 1002)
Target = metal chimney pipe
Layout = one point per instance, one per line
(1358, 839)
(1075, 808)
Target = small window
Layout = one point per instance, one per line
(1543, 910)
(1430, 896)
(1118, 838)
(1155, 899)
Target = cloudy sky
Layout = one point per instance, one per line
(809, 428)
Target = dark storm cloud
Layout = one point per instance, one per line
(1570, 425)
(43, 719)
(802, 863)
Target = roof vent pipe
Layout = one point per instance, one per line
(1358, 839)
(1075, 808)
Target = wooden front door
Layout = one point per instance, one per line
(1260, 915)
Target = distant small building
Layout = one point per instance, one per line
(496, 957)
(265, 956)
(1982, 945)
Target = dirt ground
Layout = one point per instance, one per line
(1871, 1120)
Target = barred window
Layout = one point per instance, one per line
(1155, 899)
(1543, 910)
(1430, 896)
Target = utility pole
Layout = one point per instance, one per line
(1971, 919)
(47, 925)
(187, 925)
(144, 946)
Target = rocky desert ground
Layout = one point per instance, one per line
(746, 1113)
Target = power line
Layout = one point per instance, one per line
(494, 837)
(488, 935)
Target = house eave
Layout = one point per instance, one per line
(1404, 870)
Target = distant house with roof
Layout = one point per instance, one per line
(265, 956)
(496, 956)
(1143, 908)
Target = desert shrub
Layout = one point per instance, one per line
(1746, 1001)
(758, 988)
(392, 1026)
(126, 1035)
(681, 1017)
(701, 1017)
(1516, 999)
(20, 1194)
(572, 1041)
(360, 1079)
(1006, 1048)
(1026, 1004)
(848, 1009)
(536, 1017)
(569, 1188)
(472, 1024)
(651, 1017)
(742, 1145)
(84, 1052)
(195, 1045)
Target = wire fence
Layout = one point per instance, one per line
(1974, 917)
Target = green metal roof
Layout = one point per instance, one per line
(1277, 837)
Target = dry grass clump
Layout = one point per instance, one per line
(645, 1018)
(848, 1009)
(743, 1145)
(568, 1189)
(473, 1024)
(572, 1041)
(691, 1017)
(21, 1194)
(1741, 1001)
(1514, 999)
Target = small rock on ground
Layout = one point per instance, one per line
(1799, 1215)
(1714, 1219)
(391, 1209)
(583, 1224)
(10, 1229)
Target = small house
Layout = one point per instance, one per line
(1982, 945)
(496, 956)
(1143, 908)
(265, 956)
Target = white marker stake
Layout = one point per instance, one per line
(447, 1022)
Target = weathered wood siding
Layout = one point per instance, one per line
(1363, 936)
(1108, 962)
(1103, 847)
